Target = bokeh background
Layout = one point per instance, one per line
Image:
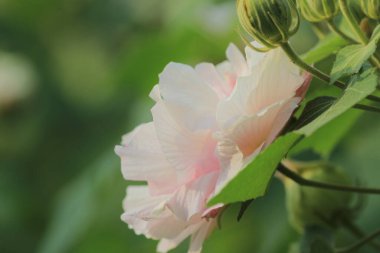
(74, 77)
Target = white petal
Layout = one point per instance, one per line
(190, 153)
(188, 96)
(143, 160)
(148, 215)
(237, 60)
(209, 73)
(155, 94)
(279, 79)
(253, 57)
(191, 199)
(200, 236)
(236, 105)
(166, 245)
(249, 133)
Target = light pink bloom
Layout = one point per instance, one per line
(208, 122)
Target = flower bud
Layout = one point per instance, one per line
(318, 10)
(371, 8)
(355, 9)
(309, 206)
(270, 22)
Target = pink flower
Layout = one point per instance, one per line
(208, 122)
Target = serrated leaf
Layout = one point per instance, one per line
(359, 88)
(253, 180)
(350, 59)
(329, 45)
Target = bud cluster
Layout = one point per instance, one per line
(273, 22)
(371, 8)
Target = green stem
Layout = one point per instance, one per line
(357, 232)
(354, 247)
(309, 183)
(356, 29)
(318, 31)
(334, 28)
(314, 71)
(366, 108)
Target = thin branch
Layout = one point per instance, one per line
(367, 108)
(354, 247)
(358, 233)
(309, 183)
(314, 71)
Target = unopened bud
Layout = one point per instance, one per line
(371, 8)
(318, 10)
(355, 9)
(270, 22)
(309, 206)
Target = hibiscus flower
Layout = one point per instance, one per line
(208, 123)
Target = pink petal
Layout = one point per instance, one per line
(191, 198)
(190, 153)
(188, 97)
(143, 160)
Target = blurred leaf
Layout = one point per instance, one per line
(350, 59)
(324, 49)
(76, 207)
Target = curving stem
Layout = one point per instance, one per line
(314, 71)
(310, 183)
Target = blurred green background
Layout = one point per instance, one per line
(74, 77)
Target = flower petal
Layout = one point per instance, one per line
(188, 96)
(190, 153)
(143, 160)
(191, 198)
(198, 238)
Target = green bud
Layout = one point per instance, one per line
(309, 206)
(270, 22)
(371, 8)
(355, 9)
(318, 10)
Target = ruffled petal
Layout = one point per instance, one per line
(200, 236)
(143, 160)
(191, 199)
(190, 153)
(209, 74)
(237, 60)
(188, 97)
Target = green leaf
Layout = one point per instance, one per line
(325, 139)
(376, 35)
(313, 110)
(77, 205)
(253, 180)
(350, 59)
(359, 88)
(329, 45)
